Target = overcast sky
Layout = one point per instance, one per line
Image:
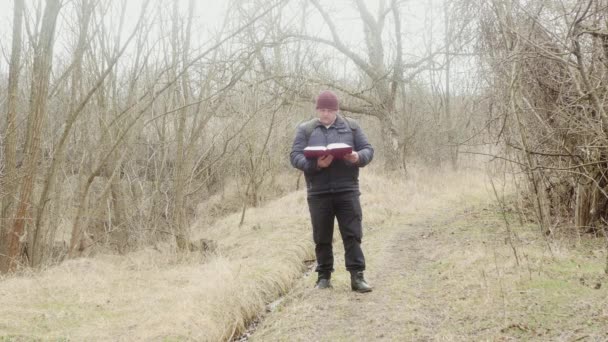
(417, 22)
(209, 15)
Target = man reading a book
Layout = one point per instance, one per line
(330, 149)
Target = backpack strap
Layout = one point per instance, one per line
(352, 124)
(309, 126)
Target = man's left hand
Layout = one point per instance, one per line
(353, 157)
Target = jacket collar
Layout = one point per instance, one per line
(338, 123)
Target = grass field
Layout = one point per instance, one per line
(438, 256)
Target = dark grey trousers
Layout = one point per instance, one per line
(346, 208)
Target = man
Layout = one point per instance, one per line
(333, 188)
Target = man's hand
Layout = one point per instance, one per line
(353, 157)
(325, 161)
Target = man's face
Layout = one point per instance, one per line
(327, 116)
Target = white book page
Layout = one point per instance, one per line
(315, 148)
(337, 145)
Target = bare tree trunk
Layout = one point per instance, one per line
(117, 215)
(38, 100)
(390, 144)
(588, 205)
(582, 210)
(449, 126)
(9, 180)
(44, 235)
(181, 160)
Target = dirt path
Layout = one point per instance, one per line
(447, 274)
(404, 304)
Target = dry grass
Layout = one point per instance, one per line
(443, 270)
(425, 249)
(156, 294)
(390, 205)
(555, 293)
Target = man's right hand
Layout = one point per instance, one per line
(325, 161)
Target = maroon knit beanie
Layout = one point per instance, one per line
(327, 99)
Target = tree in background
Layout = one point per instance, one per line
(548, 68)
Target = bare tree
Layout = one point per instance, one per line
(549, 78)
(38, 100)
(8, 180)
(43, 236)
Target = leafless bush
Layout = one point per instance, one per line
(547, 67)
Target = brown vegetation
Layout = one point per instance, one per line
(133, 115)
(548, 67)
(133, 132)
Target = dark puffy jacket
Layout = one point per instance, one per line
(341, 175)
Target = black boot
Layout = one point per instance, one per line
(323, 282)
(358, 283)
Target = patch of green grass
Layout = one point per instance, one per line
(54, 316)
(21, 338)
(550, 303)
(536, 306)
(16, 338)
(575, 266)
(442, 266)
(555, 286)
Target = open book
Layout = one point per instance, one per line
(338, 150)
